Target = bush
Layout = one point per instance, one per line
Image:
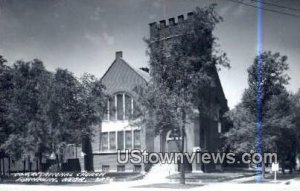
(53, 168)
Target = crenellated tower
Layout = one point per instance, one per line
(169, 29)
(205, 126)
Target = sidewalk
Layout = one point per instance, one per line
(269, 178)
(206, 178)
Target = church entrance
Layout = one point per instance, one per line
(171, 142)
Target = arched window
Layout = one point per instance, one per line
(120, 106)
(173, 135)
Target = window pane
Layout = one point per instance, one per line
(127, 107)
(104, 141)
(112, 141)
(121, 168)
(120, 106)
(137, 168)
(105, 117)
(136, 110)
(112, 109)
(137, 139)
(128, 137)
(105, 168)
(120, 140)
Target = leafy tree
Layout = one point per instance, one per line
(26, 114)
(63, 112)
(296, 104)
(294, 136)
(39, 125)
(277, 115)
(5, 98)
(274, 78)
(75, 107)
(92, 103)
(179, 72)
(42, 112)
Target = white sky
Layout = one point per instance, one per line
(83, 36)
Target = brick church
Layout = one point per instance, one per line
(116, 132)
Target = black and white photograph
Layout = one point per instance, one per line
(145, 95)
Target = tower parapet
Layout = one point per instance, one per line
(169, 28)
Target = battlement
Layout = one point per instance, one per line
(170, 27)
(171, 21)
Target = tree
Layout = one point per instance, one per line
(26, 110)
(92, 103)
(178, 74)
(42, 112)
(294, 136)
(276, 116)
(296, 104)
(75, 107)
(5, 98)
(63, 112)
(39, 125)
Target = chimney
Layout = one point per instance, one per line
(119, 54)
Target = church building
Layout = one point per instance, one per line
(203, 131)
(117, 132)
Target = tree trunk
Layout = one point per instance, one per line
(24, 166)
(58, 167)
(182, 133)
(57, 162)
(9, 165)
(40, 161)
(88, 157)
(37, 165)
(0, 167)
(3, 162)
(182, 169)
(263, 170)
(29, 164)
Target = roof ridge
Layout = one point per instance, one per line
(131, 67)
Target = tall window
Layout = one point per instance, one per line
(106, 115)
(112, 141)
(120, 140)
(119, 107)
(137, 139)
(104, 141)
(128, 106)
(112, 109)
(128, 139)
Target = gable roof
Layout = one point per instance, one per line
(120, 76)
(220, 91)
